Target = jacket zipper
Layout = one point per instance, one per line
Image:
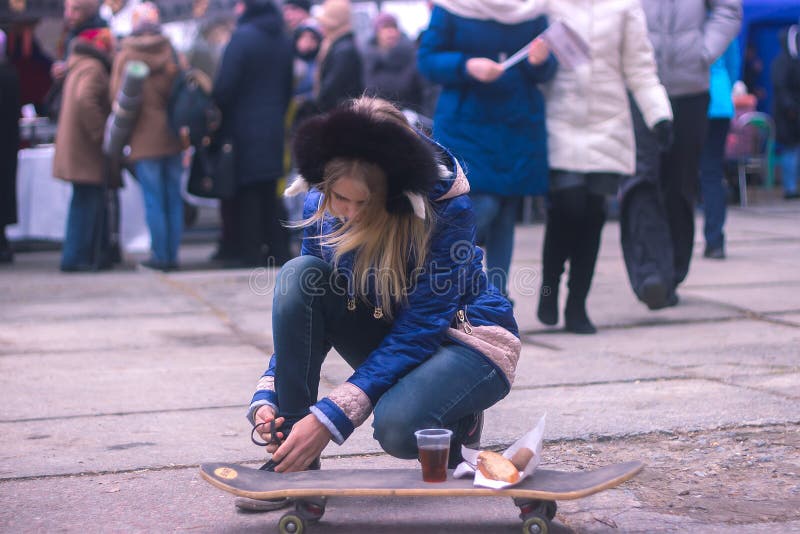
(463, 321)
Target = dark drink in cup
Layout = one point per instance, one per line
(434, 463)
(433, 445)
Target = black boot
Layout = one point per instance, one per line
(583, 258)
(554, 254)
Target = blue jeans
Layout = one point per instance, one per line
(712, 182)
(790, 167)
(85, 225)
(310, 316)
(161, 187)
(495, 217)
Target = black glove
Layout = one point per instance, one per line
(664, 135)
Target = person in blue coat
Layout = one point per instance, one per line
(492, 119)
(724, 72)
(253, 88)
(390, 277)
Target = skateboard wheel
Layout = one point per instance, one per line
(291, 523)
(535, 525)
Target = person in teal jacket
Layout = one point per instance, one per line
(724, 72)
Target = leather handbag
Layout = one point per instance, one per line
(212, 171)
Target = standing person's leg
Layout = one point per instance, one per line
(790, 168)
(445, 391)
(712, 187)
(557, 237)
(172, 169)
(500, 242)
(679, 171)
(588, 226)
(644, 230)
(150, 178)
(249, 224)
(276, 235)
(78, 247)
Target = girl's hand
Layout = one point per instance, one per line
(484, 69)
(305, 443)
(265, 414)
(538, 52)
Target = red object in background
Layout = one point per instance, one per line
(740, 140)
(32, 64)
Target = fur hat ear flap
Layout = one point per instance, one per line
(300, 185)
(417, 204)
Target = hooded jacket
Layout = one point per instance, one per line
(688, 36)
(151, 138)
(253, 88)
(451, 301)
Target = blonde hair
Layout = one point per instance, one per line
(390, 248)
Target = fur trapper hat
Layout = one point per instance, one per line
(408, 161)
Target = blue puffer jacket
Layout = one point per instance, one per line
(453, 282)
(496, 129)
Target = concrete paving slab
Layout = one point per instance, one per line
(71, 309)
(633, 408)
(114, 333)
(55, 385)
(784, 383)
(760, 299)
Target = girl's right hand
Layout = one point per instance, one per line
(265, 414)
(484, 69)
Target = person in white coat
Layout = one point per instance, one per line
(591, 141)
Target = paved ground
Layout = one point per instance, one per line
(114, 386)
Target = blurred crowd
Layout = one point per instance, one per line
(650, 118)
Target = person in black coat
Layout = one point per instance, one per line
(786, 84)
(390, 65)
(340, 72)
(9, 143)
(253, 89)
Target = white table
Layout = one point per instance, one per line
(43, 203)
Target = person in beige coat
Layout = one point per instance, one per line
(591, 142)
(155, 149)
(78, 154)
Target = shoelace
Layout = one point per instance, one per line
(273, 437)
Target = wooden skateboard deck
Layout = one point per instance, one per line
(535, 495)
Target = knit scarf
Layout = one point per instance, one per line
(503, 11)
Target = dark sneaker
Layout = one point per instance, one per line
(255, 505)
(714, 253)
(654, 292)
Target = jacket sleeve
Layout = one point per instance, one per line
(721, 27)
(230, 72)
(310, 245)
(639, 68)
(417, 332)
(93, 105)
(436, 58)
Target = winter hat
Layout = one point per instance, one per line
(255, 4)
(305, 5)
(100, 38)
(406, 159)
(384, 20)
(335, 14)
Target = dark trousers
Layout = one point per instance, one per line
(259, 216)
(575, 219)
(657, 217)
(86, 239)
(712, 182)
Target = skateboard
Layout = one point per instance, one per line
(535, 496)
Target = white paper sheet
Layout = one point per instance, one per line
(532, 440)
(568, 47)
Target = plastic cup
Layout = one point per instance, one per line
(434, 449)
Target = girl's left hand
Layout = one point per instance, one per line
(538, 52)
(305, 443)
